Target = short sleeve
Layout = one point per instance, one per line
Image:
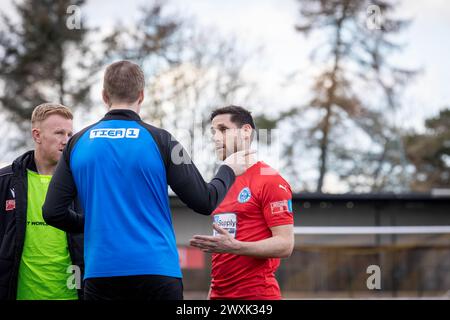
(276, 198)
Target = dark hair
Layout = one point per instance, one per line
(239, 115)
(123, 81)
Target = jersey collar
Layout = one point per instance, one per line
(122, 114)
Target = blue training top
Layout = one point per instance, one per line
(120, 169)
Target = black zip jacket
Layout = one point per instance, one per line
(13, 219)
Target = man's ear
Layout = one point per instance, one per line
(141, 97)
(106, 98)
(247, 130)
(36, 134)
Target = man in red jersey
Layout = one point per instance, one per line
(253, 226)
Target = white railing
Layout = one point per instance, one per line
(373, 230)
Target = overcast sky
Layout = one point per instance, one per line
(270, 23)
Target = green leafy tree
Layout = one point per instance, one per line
(429, 152)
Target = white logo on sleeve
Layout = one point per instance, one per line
(227, 221)
(118, 133)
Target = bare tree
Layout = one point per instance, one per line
(353, 57)
(189, 72)
(209, 74)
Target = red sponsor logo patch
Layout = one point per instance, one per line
(279, 207)
(10, 205)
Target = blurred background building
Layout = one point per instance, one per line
(337, 238)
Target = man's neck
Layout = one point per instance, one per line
(252, 159)
(43, 166)
(132, 107)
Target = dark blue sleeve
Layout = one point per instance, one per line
(57, 210)
(185, 179)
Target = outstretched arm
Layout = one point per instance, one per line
(280, 245)
(189, 185)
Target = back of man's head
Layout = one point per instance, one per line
(123, 82)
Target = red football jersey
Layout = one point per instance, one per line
(258, 200)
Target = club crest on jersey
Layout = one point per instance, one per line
(244, 195)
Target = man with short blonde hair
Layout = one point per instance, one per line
(44, 110)
(36, 256)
